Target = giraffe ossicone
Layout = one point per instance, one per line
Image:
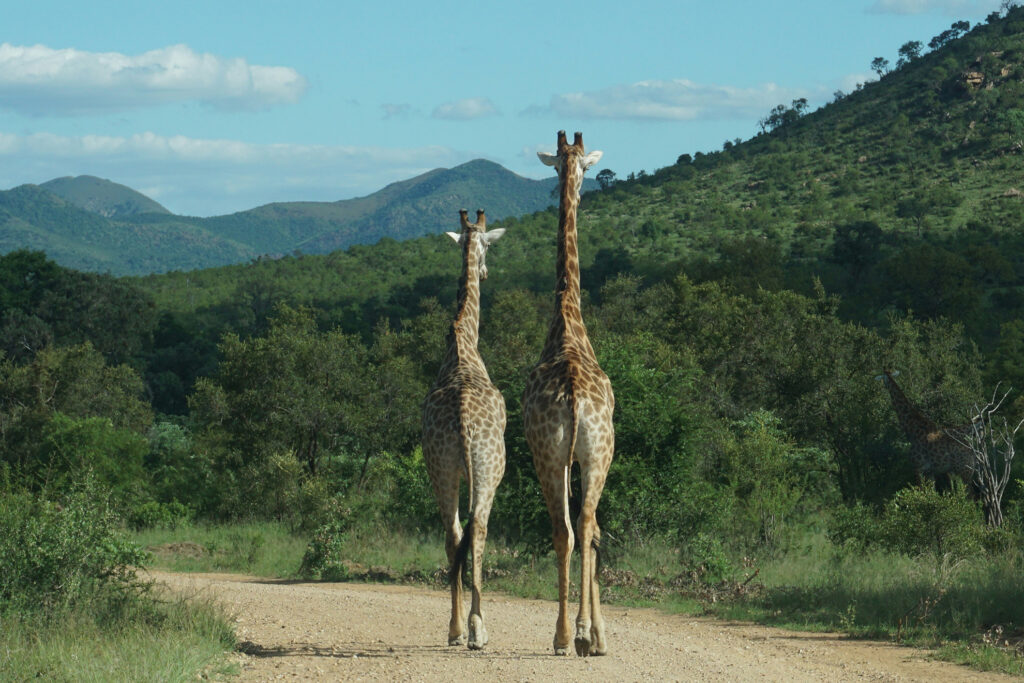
(464, 435)
(567, 414)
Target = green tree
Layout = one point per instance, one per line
(880, 65)
(908, 52)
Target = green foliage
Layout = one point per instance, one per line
(66, 410)
(324, 557)
(71, 447)
(921, 520)
(57, 553)
(152, 514)
(773, 481)
(917, 521)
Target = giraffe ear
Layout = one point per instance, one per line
(880, 377)
(547, 159)
(491, 236)
(454, 235)
(592, 159)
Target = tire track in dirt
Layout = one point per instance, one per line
(362, 632)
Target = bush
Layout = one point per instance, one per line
(920, 520)
(323, 557)
(55, 554)
(153, 515)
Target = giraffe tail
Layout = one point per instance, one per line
(461, 552)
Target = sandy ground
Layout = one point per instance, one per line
(359, 632)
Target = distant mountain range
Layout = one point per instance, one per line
(93, 224)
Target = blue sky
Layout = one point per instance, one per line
(216, 107)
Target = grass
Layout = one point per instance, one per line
(144, 638)
(259, 548)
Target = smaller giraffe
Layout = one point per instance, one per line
(934, 451)
(464, 433)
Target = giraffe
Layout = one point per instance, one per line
(463, 433)
(934, 450)
(567, 415)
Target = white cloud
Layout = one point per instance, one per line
(208, 176)
(41, 80)
(675, 100)
(464, 110)
(958, 8)
(394, 111)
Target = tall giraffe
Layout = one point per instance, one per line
(934, 450)
(567, 414)
(463, 433)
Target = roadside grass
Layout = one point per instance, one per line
(260, 548)
(73, 608)
(165, 641)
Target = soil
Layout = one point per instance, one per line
(362, 632)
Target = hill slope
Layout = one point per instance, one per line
(101, 196)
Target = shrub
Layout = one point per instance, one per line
(920, 520)
(55, 554)
(151, 514)
(323, 557)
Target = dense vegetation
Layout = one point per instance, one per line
(741, 303)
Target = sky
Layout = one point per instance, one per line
(216, 107)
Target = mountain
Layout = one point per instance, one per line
(102, 196)
(94, 224)
(35, 218)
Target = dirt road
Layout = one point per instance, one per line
(357, 632)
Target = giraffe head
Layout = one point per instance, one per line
(475, 237)
(887, 375)
(570, 162)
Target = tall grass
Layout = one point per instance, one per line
(260, 548)
(172, 641)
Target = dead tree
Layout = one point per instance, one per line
(990, 438)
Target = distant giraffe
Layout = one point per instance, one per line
(463, 433)
(934, 451)
(567, 414)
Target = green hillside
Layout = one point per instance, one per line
(34, 218)
(102, 196)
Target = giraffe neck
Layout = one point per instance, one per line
(912, 420)
(465, 330)
(567, 324)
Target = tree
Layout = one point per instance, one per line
(880, 65)
(990, 439)
(605, 178)
(908, 52)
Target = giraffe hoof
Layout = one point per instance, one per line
(457, 640)
(582, 647)
(561, 652)
(477, 633)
